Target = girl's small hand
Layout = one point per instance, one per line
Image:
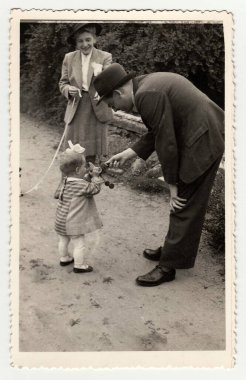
(94, 171)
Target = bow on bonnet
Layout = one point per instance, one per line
(74, 148)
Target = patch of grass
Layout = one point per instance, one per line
(149, 185)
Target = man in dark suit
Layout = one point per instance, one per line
(186, 129)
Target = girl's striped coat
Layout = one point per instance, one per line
(76, 211)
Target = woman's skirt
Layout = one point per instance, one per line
(85, 129)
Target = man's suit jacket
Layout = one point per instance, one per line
(72, 76)
(185, 127)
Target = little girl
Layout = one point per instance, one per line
(76, 213)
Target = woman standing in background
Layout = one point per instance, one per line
(87, 122)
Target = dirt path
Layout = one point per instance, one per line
(105, 310)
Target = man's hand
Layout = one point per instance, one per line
(175, 201)
(120, 158)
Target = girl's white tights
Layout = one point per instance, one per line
(81, 245)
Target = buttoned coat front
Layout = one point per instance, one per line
(185, 127)
(72, 76)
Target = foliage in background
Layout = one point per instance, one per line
(193, 50)
(42, 51)
(215, 221)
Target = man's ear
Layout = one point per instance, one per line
(119, 92)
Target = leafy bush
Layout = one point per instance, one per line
(41, 58)
(215, 221)
(193, 50)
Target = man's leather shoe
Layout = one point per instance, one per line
(152, 254)
(156, 277)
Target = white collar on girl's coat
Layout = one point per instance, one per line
(69, 179)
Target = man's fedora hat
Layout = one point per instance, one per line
(110, 79)
(85, 26)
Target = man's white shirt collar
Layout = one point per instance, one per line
(134, 108)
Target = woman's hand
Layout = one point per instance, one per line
(175, 201)
(120, 158)
(73, 91)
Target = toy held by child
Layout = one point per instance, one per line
(76, 213)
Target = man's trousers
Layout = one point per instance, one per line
(185, 226)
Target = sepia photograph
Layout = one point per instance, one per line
(122, 172)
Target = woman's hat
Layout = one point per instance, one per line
(110, 79)
(86, 26)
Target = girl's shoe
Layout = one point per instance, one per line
(81, 270)
(65, 263)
